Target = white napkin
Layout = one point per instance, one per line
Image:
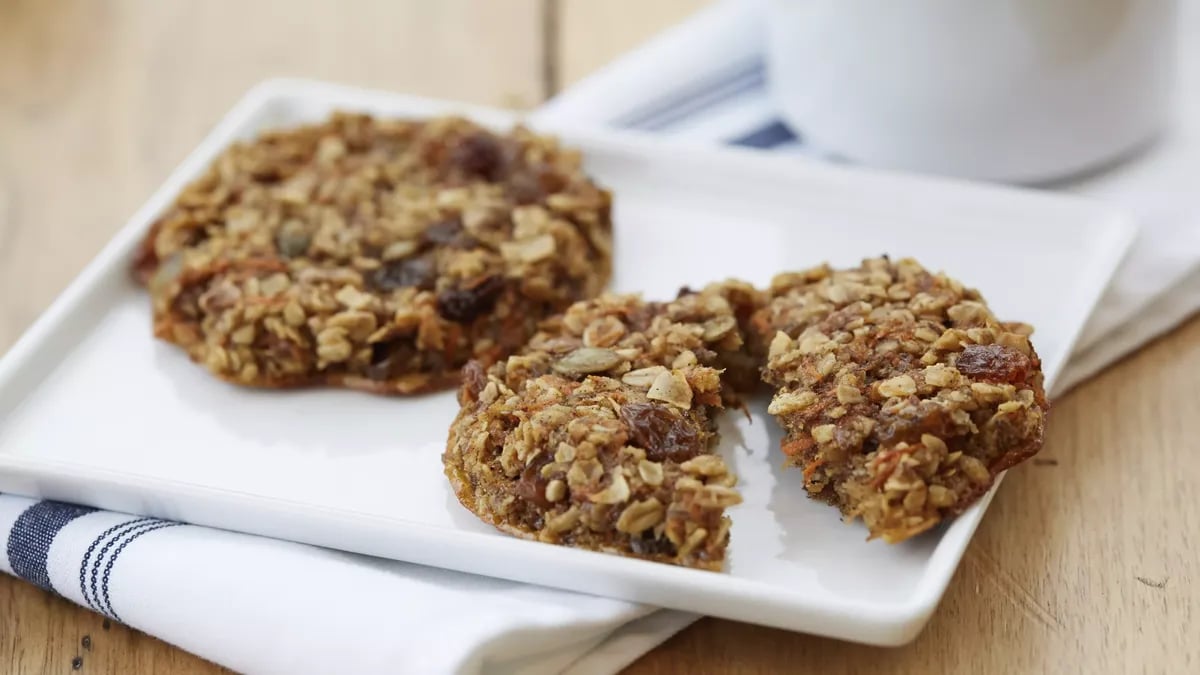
(259, 605)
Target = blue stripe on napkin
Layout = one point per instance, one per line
(93, 580)
(117, 554)
(767, 136)
(107, 607)
(31, 536)
(91, 594)
(696, 97)
(700, 97)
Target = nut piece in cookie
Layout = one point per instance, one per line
(901, 394)
(374, 254)
(599, 434)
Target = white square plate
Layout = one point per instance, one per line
(94, 411)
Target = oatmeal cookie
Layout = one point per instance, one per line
(599, 434)
(374, 254)
(901, 394)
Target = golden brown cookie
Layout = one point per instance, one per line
(901, 394)
(599, 434)
(374, 254)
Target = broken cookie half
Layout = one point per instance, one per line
(901, 395)
(599, 435)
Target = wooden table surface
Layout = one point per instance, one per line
(1087, 562)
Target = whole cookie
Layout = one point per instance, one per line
(374, 254)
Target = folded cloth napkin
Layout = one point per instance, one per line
(260, 605)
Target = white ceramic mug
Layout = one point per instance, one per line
(1014, 90)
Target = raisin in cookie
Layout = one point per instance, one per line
(901, 395)
(374, 254)
(599, 434)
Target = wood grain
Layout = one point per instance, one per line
(42, 633)
(590, 33)
(100, 99)
(1086, 562)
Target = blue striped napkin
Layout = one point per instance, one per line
(260, 605)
